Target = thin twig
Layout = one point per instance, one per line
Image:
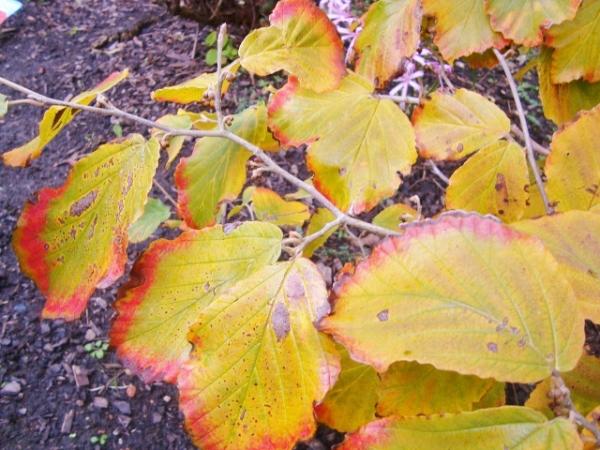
(536, 146)
(562, 397)
(219, 88)
(165, 192)
(256, 151)
(193, 54)
(528, 144)
(24, 101)
(400, 98)
(316, 235)
(436, 171)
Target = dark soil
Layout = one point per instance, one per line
(67, 398)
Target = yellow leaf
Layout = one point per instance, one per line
(319, 219)
(173, 282)
(573, 167)
(74, 238)
(172, 144)
(493, 181)
(507, 427)
(391, 32)
(493, 398)
(462, 27)
(302, 41)
(358, 143)
(194, 90)
(523, 21)
(587, 437)
(574, 240)
(452, 126)
(561, 102)
(350, 404)
(216, 170)
(581, 381)
(463, 293)
(258, 362)
(394, 215)
(54, 120)
(270, 207)
(411, 389)
(577, 44)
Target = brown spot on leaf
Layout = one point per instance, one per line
(83, 203)
(281, 321)
(384, 315)
(492, 347)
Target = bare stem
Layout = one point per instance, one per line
(400, 98)
(537, 147)
(24, 101)
(437, 172)
(525, 130)
(219, 87)
(256, 151)
(316, 235)
(562, 405)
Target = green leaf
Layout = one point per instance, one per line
(155, 213)
(210, 39)
(463, 293)
(74, 238)
(173, 282)
(395, 215)
(211, 57)
(259, 364)
(507, 427)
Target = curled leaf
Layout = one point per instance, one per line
(270, 207)
(54, 120)
(302, 41)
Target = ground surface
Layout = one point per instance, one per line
(67, 397)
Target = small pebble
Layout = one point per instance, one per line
(122, 406)
(166, 398)
(100, 402)
(90, 335)
(156, 417)
(11, 388)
